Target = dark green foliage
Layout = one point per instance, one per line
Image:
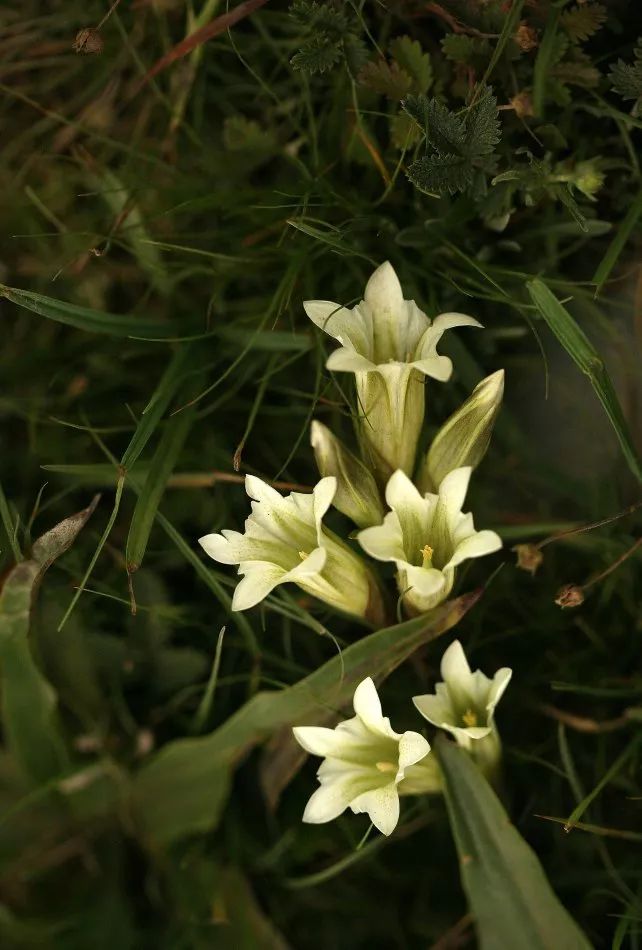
(333, 37)
(626, 78)
(456, 143)
(582, 21)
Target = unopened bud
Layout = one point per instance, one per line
(357, 494)
(570, 595)
(464, 438)
(529, 557)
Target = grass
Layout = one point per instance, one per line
(200, 209)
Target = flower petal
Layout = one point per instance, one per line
(454, 666)
(346, 360)
(452, 491)
(477, 545)
(352, 328)
(412, 748)
(317, 740)
(384, 542)
(223, 548)
(310, 566)
(436, 709)
(426, 581)
(383, 290)
(382, 805)
(260, 579)
(367, 704)
(501, 679)
(327, 803)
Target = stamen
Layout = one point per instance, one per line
(427, 552)
(386, 766)
(303, 555)
(469, 718)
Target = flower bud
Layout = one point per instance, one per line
(357, 495)
(465, 436)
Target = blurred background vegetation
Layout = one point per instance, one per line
(172, 224)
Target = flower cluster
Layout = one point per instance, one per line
(367, 765)
(408, 510)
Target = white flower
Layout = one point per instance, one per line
(465, 436)
(364, 763)
(286, 542)
(465, 702)
(427, 536)
(389, 343)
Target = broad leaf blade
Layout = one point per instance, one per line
(28, 700)
(184, 789)
(586, 357)
(509, 894)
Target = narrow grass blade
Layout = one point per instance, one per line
(156, 407)
(84, 318)
(616, 246)
(161, 467)
(544, 61)
(508, 892)
(205, 705)
(28, 700)
(9, 527)
(184, 789)
(103, 538)
(586, 357)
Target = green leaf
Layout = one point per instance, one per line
(482, 124)
(547, 55)
(184, 789)
(84, 318)
(411, 58)
(161, 468)
(616, 246)
(581, 22)
(156, 407)
(385, 79)
(465, 50)
(509, 895)
(441, 174)
(28, 700)
(586, 357)
(626, 79)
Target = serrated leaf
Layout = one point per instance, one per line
(464, 50)
(441, 174)
(444, 130)
(509, 895)
(317, 56)
(385, 79)
(482, 125)
(411, 58)
(197, 772)
(581, 22)
(626, 79)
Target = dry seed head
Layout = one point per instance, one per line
(570, 595)
(88, 41)
(529, 557)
